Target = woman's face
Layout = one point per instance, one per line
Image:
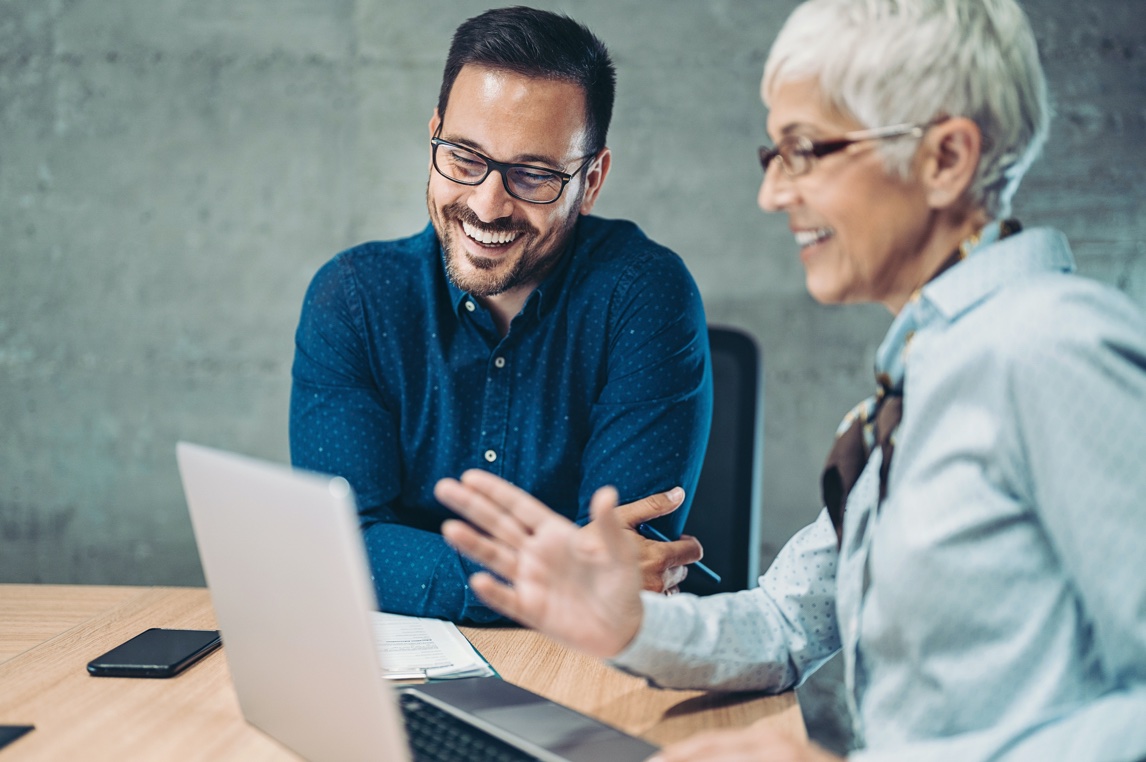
(861, 230)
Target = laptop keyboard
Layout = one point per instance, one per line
(437, 736)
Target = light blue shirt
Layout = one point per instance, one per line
(994, 606)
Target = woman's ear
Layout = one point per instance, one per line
(950, 158)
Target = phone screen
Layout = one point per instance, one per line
(155, 653)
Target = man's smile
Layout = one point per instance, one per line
(488, 237)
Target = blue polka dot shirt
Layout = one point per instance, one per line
(400, 379)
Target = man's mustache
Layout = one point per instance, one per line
(463, 213)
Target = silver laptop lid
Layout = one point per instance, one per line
(290, 584)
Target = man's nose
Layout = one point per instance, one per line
(490, 200)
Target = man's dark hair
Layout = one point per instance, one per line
(537, 44)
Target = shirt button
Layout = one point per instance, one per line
(490, 456)
(470, 306)
(499, 362)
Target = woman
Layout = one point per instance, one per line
(975, 561)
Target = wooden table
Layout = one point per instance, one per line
(48, 633)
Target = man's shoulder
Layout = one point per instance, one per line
(612, 248)
(609, 238)
(417, 249)
(379, 269)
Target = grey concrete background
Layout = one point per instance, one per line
(172, 172)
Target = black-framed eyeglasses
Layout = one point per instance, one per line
(798, 153)
(528, 182)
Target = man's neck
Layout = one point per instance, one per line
(504, 307)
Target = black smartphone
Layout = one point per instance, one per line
(156, 653)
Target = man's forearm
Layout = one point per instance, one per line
(416, 573)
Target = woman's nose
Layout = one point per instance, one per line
(777, 190)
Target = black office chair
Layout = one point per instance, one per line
(725, 513)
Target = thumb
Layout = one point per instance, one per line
(648, 508)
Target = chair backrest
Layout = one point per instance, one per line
(725, 513)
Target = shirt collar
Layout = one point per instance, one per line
(544, 297)
(989, 264)
(457, 296)
(995, 263)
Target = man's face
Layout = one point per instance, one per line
(493, 242)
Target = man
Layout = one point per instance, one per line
(515, 333)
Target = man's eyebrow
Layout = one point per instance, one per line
(526, 158)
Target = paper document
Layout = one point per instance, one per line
(413, 648)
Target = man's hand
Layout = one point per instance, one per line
(580, 588)
(756, 743)
(662, 564)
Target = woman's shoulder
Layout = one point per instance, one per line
(1048, 328)
(1035, 325)
(1062, 308)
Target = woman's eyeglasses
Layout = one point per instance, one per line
(798, 153)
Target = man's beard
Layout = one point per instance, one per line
(490, 277)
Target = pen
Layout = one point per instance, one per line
(652, 534)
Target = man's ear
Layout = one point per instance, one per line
(435, 122)
(952, 149)
(595, 178)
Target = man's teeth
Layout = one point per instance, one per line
(487, 237)
(808, 237)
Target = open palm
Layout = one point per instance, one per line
(580, 588)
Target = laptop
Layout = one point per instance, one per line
(290, 583)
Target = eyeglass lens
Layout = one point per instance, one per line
(527, 183)
(795, 154)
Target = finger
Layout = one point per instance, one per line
(648, 508)
(486, 551)
(602, 510)
(482, 512)
(528, 510)
(686, 550)
(499, 596)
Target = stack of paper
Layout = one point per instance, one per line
(416, 648)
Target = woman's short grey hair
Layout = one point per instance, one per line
(888, 62)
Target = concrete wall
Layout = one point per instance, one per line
(172, 172)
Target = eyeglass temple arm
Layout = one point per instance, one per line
(891, 131)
